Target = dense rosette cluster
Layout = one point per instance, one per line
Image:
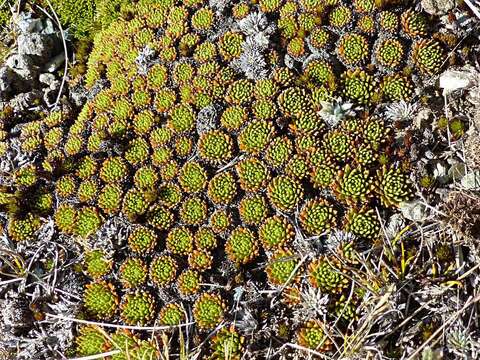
(220, 174)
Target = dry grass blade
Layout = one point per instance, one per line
(474, 8)
(116, 326)
(97, 356)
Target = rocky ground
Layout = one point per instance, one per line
(379, 260)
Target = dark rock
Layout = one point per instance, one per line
(50, 95)
(55, 63)
(7, 78)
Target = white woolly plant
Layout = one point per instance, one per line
(114, 232)
(251, 62)
(313, 304)
(206, 119)
(257, 30)
(400, 111)
(145, 60)
(461, 343)
(218, 5)
(335, 111)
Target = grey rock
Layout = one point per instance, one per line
(48, 28)
(96, 88)
(414, 152)
(428, 137)
(476, 117)
(23, 66)
(442, 192)
(19, 62)
(438, 7)
(218, 5)
(56, 86)
(289, 61)
(440, 172)
(145, 60)
(395, 224)
(15, 313)
(472, 144)
(26, 24)
(422, 117)
(429, 154)
(35, 44)
(50, 95)
(473, 94)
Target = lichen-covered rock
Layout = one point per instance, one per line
(471, 180)
(438, 7)
(24, 66)
(35, 44)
